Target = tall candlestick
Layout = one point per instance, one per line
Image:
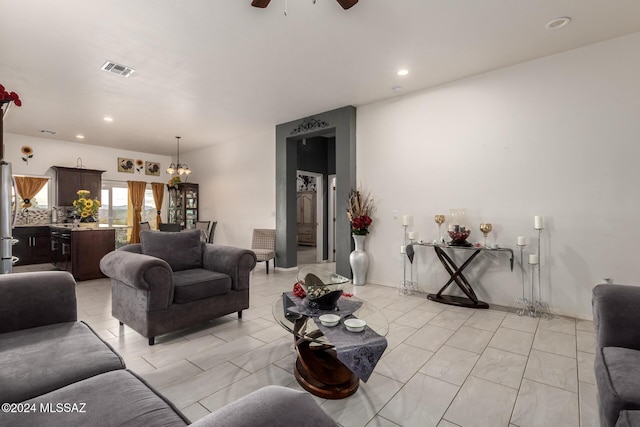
(538, 222)
(407, 219)
(522, 241)
(413, 235)
(403, 249)
(533, 259)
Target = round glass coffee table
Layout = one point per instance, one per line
(331, 360)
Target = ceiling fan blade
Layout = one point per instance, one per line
(346, 4)
(262, 3)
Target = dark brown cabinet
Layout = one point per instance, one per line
(70, 180)
(33, 246)
(79, 251)
(183, 205)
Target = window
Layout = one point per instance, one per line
(40, 201)
(115, 208)
(115, 204)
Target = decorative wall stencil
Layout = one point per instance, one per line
(27, 153)
(152, 168)
(139, 165)
(306, 183)
(125, 165)
(308, 124)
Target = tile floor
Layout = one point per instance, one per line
(445, 365)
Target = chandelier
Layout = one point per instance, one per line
(179, 168)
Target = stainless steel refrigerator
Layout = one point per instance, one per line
(7, 216)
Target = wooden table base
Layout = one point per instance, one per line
(319, 371)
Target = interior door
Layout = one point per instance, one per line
(307, 221)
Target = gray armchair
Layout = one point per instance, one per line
(617, 360)
(172, 280)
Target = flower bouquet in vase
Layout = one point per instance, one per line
(86, 207)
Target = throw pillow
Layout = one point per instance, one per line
(181, 250)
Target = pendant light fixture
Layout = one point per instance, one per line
(179, 168)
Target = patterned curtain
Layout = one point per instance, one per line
(136, 199)
(158, 195)
(28, 187)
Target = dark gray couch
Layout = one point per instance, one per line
(171, 281)
(55, 371)
(616, 316)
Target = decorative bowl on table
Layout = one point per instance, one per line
(323, 287)
(459, 238)
(355, 325)
(329, 320)
(459, 229)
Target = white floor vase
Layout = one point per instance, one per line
(359, 261)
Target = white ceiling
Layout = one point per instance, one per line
(212, 71)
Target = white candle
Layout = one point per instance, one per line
(533, 259)
(407, 219)
(413, 235)
(522, 241)
(403, 249)
(538, 222)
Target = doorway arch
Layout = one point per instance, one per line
(341, 122)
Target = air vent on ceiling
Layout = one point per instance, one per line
(122, 70)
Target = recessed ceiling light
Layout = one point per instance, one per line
(108, 119)
(403, 72)
(80, 136)
(557, 23)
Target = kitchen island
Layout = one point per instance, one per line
(79, 250)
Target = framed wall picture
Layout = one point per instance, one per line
(152, 168)
(125, 165)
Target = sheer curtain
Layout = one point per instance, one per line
(136, 199)
(27, 187)
(158, 195)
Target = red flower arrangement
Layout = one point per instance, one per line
(361, 224)
(6, 97)
(359, 212)
(299, 291)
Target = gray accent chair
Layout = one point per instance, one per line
(616, 317)
(48, 358)
(171, 281)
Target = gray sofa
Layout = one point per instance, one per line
(616, 316)
(55, 371)
(171, 281)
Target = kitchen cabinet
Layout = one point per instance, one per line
(80, 250)
(70, 180)
(183, 204)
(32, 246)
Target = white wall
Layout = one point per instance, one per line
(556, 137)
(50, 152)
(237, 186)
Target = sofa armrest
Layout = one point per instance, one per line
(272, 406)
(29, 300)
(616, 316)
(143, 272)
(136, 248)
(236, 262)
